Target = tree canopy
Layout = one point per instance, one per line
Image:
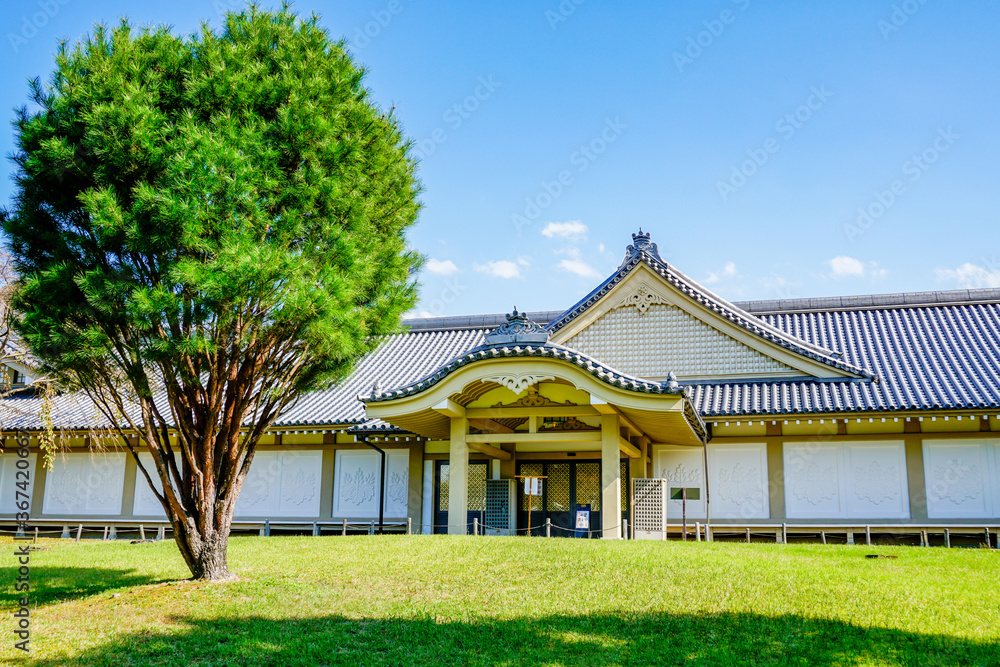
(205, 227)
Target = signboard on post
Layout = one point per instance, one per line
(532, 486)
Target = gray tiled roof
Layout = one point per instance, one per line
(925, 357)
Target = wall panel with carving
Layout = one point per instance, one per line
(356, 483)
(738, 481)
(682, 467)
(84, 483)
(847, 480)
(962, 478)
(282, 484)
(9, 480)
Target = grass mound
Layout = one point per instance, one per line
(511, 601)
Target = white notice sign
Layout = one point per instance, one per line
(582, 520)
(532, 486)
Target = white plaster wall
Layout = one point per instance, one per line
(846, 480)
(962, 477)
(84, 483)
(682, 467)
(9, 480)
(356, 491)
(738, 481)
(282, 483)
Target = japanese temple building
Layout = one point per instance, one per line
(876, 413)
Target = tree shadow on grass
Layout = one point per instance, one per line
(57, 584)
(651, 639)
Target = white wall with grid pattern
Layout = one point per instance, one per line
(666, 338)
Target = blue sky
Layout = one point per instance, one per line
(773, 150)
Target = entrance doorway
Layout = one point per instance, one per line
(568, 486)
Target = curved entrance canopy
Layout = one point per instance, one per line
(488, 384)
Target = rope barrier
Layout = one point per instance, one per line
(837, 534)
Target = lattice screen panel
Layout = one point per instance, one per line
(443, 490)
(649, 508)
(499, 516)
(588, 485)
(557, 492)
(477, 487)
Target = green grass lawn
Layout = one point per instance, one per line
(509, 601)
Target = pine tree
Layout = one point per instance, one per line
(205, 228)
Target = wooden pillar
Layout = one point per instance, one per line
(508, 468)
(914, 448)
(611, 492)
(458, 477)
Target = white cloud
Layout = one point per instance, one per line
(441, 267)
(502, 268)
(846, 266)
(579, 267)
(971, 276)
(728, 271)
(571, 229)
(849, 267)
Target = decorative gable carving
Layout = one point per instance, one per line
(642, 297)
(656, 338)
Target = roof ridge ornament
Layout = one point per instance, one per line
(641, 244)
(517, 329)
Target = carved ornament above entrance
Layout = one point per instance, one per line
(518, 383)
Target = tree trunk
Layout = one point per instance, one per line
(205, 554)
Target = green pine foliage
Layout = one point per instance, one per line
(216, 219)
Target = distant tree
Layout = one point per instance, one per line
(6, 289)
(204, 229)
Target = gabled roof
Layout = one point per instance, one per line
(644, 252)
